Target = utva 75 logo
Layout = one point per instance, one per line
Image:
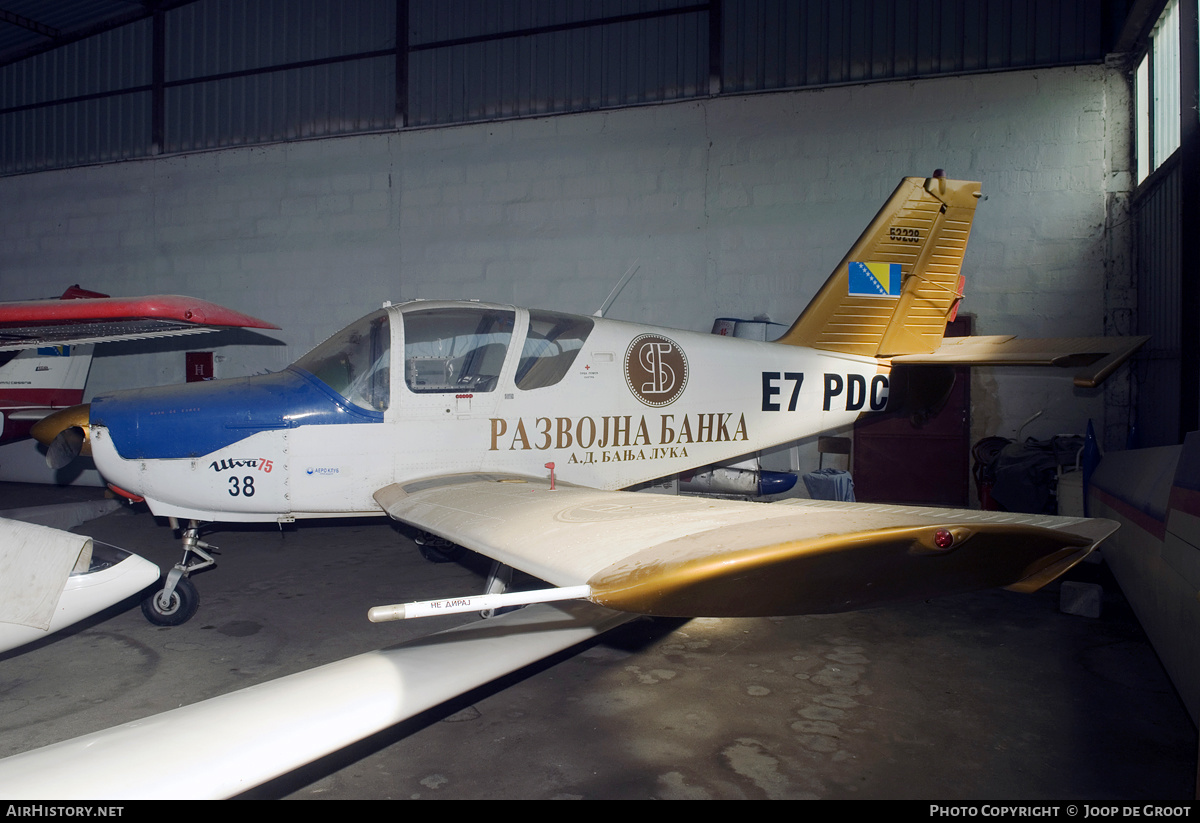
(242, 486)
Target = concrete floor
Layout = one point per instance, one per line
(993, 695)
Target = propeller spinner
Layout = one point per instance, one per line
(65, 434)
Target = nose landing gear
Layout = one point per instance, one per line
(176, 602)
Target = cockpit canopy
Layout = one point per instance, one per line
(455, 349)
(463, 349)
(551, 345)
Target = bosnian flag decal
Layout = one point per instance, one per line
(875, 279)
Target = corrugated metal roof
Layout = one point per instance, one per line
(198, 74)
(28, 27)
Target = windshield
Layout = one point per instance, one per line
(354, 362)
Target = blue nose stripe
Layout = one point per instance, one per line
(195, 419)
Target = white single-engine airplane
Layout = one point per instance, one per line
(512, 431)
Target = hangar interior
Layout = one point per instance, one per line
(304, 162)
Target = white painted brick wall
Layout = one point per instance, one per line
(731, 207)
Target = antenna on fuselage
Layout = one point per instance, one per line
(612, 295)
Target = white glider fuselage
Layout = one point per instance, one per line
(431, 388)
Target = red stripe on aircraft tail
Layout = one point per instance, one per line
(40, 398)
(1134, 515)
(1185, 500)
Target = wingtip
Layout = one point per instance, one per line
(206, 313)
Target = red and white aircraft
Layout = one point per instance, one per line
(518, 433)
(52, 578)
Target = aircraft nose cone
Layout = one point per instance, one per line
(65, 434)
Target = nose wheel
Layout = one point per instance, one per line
(176, 602)
(174, 609)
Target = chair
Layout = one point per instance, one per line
(833, 445)
(831, 484)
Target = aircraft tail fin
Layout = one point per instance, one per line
(37, 381)
(900, 283)
(45, 375)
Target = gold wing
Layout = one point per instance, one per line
(692, 557)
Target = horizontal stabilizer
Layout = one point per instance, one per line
(692, 557)
(1095, 357)
(34, 414)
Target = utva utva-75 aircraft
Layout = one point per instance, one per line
(513, 432)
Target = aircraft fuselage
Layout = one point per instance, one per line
(430, 388)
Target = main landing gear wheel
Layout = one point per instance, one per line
(437, 549)
(174, 610)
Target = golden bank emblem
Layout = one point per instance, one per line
(656, 370)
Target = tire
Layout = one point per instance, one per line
(437, 549)
(436, 554)
(184, 602)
